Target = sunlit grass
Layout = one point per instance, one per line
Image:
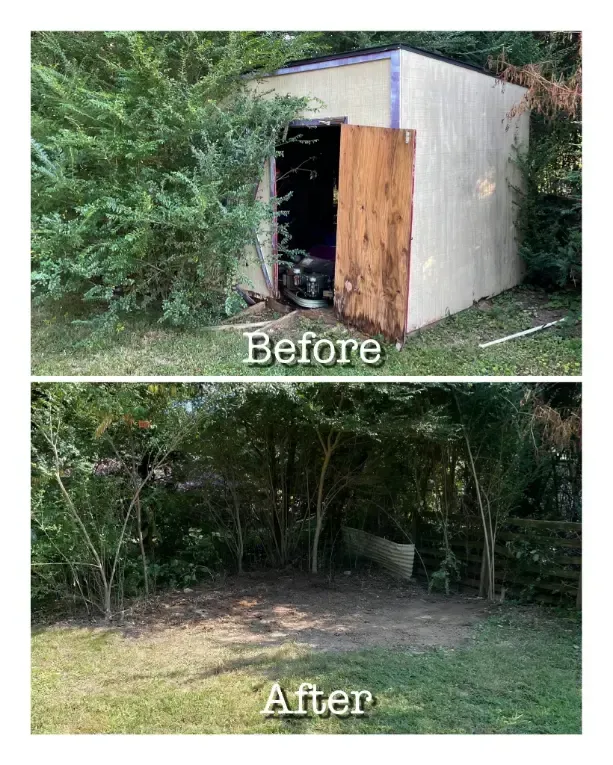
(519, 673)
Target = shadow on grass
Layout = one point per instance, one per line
(519, 673)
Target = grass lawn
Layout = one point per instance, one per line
(144, 347)
(519, 672)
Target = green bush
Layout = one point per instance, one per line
(550, 212)
(147, 149)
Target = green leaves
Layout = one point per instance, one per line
(146, 149)
(251, 456)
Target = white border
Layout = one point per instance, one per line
(597, 579)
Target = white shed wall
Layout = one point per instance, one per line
(464, 243)
(360, 92)
(252, 277)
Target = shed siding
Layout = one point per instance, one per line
(360, 92)
(252, 278)
(464, 244)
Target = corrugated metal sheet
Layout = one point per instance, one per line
(464, 238)
(396, 558)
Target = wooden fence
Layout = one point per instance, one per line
(396, 558)
(534, 558)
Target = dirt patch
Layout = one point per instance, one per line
(247, 317)
(325, 323)
(291, 323)
(350, 613)
(538, 305)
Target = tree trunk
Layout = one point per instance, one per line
(484, 580)
(319, 508)
(142, 546)
(238, 526)
(107, 602)
(488, 575)
(239, 544)
(316, 535)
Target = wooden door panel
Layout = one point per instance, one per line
(373, 237)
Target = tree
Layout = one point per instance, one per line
(139, 486)
(67, 451)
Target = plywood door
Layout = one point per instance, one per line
(373, 238)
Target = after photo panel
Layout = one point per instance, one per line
(306, 558)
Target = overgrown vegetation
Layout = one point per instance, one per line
(146, 157)
(550, 216)
(550, 212)
(138, 487)
(520, 674)
(147, 151)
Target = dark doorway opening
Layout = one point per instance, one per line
(309, 169)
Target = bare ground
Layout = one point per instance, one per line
(349, 613)
(535, 306)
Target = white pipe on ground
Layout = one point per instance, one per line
(520, 334)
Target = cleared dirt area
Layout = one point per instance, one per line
(347, 614)
(204, 661)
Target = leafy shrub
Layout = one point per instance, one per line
(146, 153)
(448, 573)
(62, 564)
(550, 212)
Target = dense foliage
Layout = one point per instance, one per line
(147, 150)
(142, 486)
(146, 156)
(550, 216)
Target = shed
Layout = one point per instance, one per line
(403, 184)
